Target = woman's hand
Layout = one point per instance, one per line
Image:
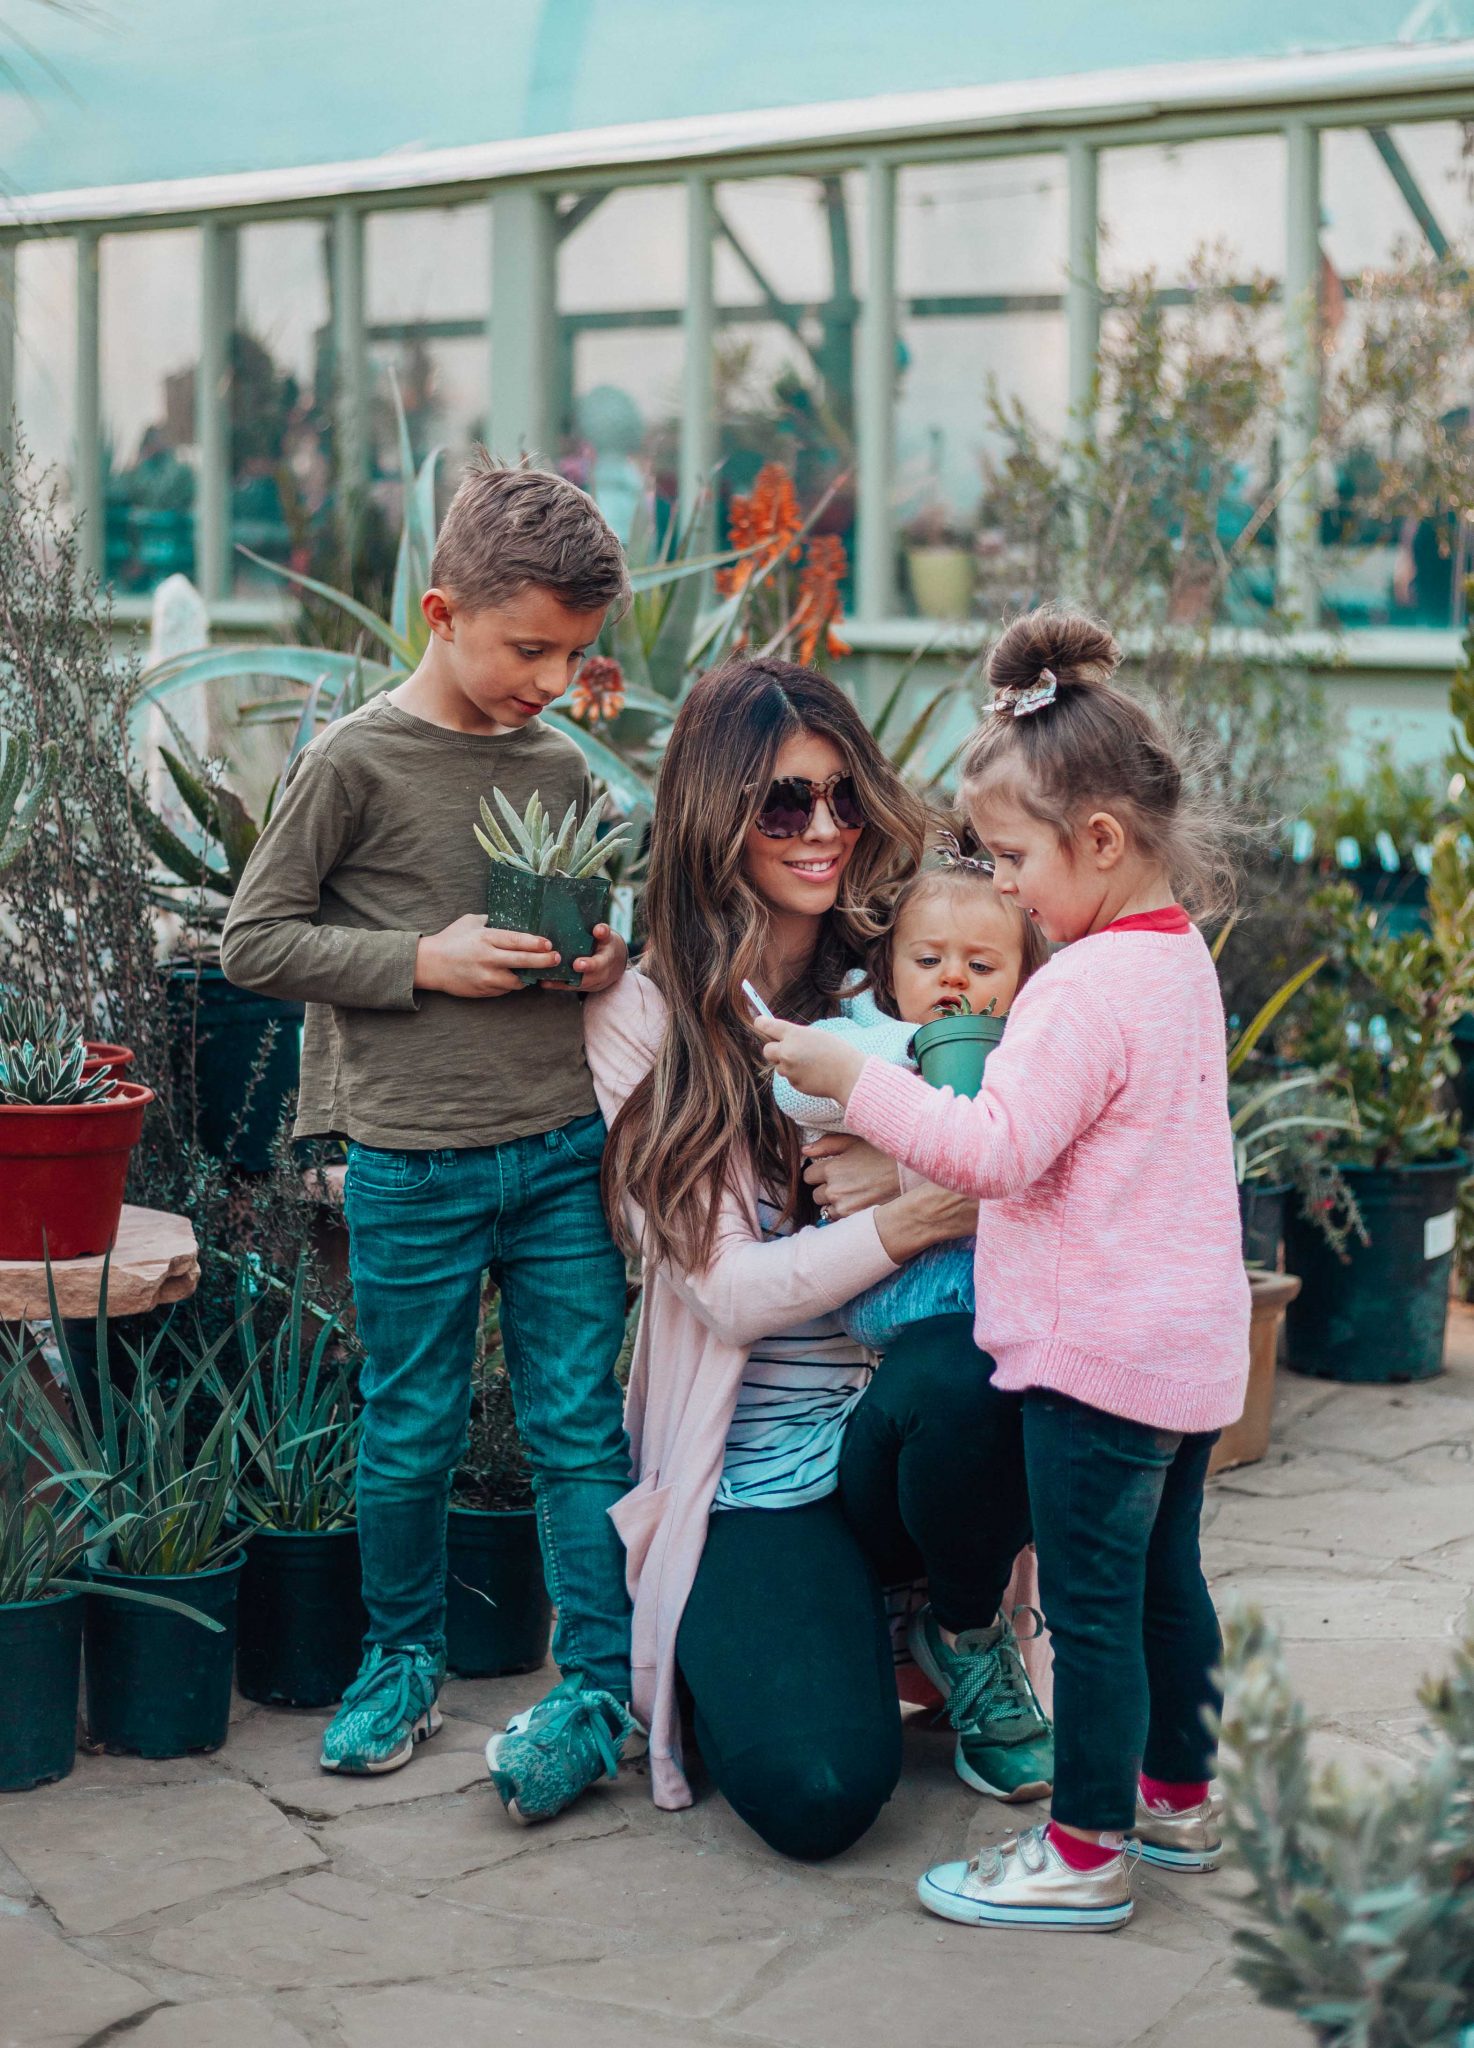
(848, 1175)
(922, 1217)
(815, 1062)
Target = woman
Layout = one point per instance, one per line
(775, 1489)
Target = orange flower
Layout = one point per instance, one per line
(598, 691)
(819, 610)
(767, 520)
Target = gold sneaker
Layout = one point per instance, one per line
(1025, 1882)
(1190, 1839)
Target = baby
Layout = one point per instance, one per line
(953, 941)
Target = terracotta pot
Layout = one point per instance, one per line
(63, 1168)
(1245, 1442)
(113, 1059)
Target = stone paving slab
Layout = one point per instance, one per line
(418, 1847)
(53, 1996)
(218, 2023)
(683, 1983)
(99, 1858)
(416, 2016)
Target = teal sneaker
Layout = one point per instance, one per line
(389, 1707)
(1005, 1746)
(547, 1756)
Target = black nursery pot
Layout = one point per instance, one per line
(300, 1619)
(1382, 1316)
(158, 1684)
(497, 1613)
(229, 1024)
(41, 1661)
(553, 907)
(1262, 1217)
(1464, 1076)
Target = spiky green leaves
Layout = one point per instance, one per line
(42, 1057)
(530, 844)
(19, 806)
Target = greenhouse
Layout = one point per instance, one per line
(851, 261)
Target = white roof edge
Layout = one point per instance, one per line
(1069, 101)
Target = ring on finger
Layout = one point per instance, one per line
(824, 1213)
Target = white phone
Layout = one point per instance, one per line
(759, 1007)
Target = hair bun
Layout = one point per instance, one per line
(1047, 651)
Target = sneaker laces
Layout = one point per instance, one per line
(394, 1687)
(572, 1710)
(995, 1687)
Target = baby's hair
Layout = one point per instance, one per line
(954, 870)
(1063, 740)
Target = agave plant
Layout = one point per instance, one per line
(47, 1072)
(298, 1429)
(530, 844)
(19, 806)
(163, 1503)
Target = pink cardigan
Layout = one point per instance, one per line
(1101, 1151)
(694, 1335)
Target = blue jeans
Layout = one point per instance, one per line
(1116, 1512)
(425, 1228)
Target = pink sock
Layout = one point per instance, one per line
(1082, 1855)
(1179, 1795)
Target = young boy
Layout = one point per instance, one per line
(474, 1140)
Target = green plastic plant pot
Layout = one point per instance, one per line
(300, 1622)
(498, 1617)
(553, 908)
(41, 1658)
(229, 1025)
(157, 1683)
(1262, 1211)
(1382, 1316)
(952, 1051)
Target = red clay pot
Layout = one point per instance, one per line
(100, 1055)
(62, 1171)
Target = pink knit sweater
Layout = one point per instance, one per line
(1109, 1259)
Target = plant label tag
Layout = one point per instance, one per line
(1438, 1235)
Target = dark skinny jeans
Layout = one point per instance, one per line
(784, 1643)
(1116, 1508)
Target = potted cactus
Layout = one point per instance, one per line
(554, 883)
(301, 1618)
(66, 1134)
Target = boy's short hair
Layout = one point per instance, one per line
(510, 526)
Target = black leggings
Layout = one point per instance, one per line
(784, 1644)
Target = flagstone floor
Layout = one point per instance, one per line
(245, 1898)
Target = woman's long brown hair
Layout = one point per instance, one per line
(705, 1111)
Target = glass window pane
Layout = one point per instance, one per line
(46, 353)
(149, 321)
(1396, 203)
(428, 303)
(789, 274)
(1161, 207)
(281, 426)
(621, 295)
(980, 273)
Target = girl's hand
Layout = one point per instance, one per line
(815, 1062)
(848, 1175)
(597, 970)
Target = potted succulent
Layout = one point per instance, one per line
(554, 883)
(498, 1617)
(157, 1682)
(20, 808)
(66, 1135)
(940, 562)
(300, 1615)
(1383, 1032)
(952, 1050)
(23, 1017)
(246, 1052)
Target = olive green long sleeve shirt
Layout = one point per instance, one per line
(369, 849)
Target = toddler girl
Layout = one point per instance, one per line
(1113, 1293)
(953, 941)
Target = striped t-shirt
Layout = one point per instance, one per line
(798, 1388)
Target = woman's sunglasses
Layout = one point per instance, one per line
(789, 806)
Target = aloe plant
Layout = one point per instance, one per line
(19, 806)
(298, 1429)
(162, 1503)
(530, 844)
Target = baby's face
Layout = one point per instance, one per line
(954, 942)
